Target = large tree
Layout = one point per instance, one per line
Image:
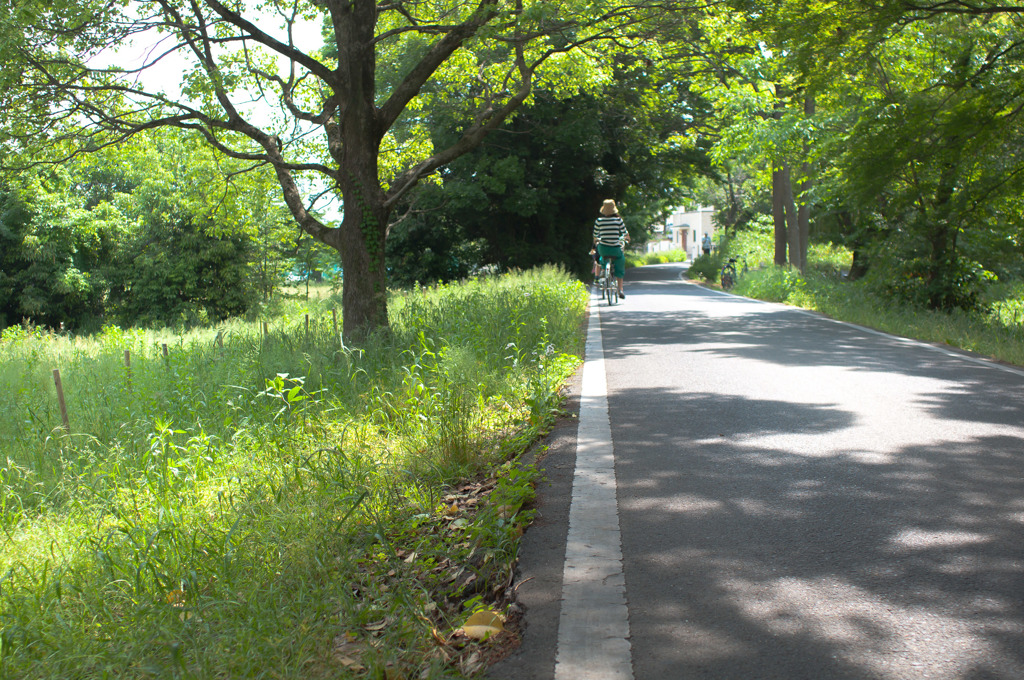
(761, 97)
(337, 122)
(907, 116)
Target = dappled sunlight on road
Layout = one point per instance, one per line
(806, 499)
(870, 537)
(885, 638)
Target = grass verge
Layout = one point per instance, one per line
(998, 334)
(276, 505)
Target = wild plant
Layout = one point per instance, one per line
(239, 503)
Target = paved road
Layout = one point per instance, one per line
(797, 498)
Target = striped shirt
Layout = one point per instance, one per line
(610, 230)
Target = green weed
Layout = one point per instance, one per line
(251, 504)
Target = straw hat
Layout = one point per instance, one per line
(609, 208)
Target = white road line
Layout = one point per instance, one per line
(910, 342)
(593, 629)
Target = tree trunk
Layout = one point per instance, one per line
(732, 214)
(857, 241)
(941, 234)
(803, 216)
(792, 228)
(803, 222)
(859, 265)
(779, 218)
(360, 244)
(356, 148)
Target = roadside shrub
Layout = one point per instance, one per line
(662, 257)
(1006, 303)
(829, 258)
(776, 284)
(758, 246)
(707, 267)
(957, 283)
(755, 245)
(244, 501)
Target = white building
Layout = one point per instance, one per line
(684, 230)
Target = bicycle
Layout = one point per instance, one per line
(729, 274)
(606, 283)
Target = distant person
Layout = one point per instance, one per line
(705, 244)
(610, 237)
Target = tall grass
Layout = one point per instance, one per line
(272, 506)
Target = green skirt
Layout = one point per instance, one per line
(615, 254)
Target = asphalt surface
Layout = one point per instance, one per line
(797, 498)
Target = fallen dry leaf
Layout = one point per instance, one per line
(376, 625)
(483, 625)
(472, 664)
(348, 652)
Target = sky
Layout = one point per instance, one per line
(166, 75)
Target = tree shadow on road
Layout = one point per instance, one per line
(971, 391)
(748, 559)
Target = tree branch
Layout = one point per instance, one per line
(431, 61)
(290, 51)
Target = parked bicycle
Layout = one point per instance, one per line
(729, 273)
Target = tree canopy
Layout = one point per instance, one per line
(326, 120)
(418, 139)
(899, 123)
(529, 194)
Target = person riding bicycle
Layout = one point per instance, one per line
(610, 237)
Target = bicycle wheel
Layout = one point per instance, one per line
(606, 282)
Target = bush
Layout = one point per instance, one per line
(662, 257)
(757, 246)
(776, 284)
(177, 274)
(707, 267)
(957, 283)
(1006, 302)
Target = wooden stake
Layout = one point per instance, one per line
(264, 329)
(60, 399)
(165, 350)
